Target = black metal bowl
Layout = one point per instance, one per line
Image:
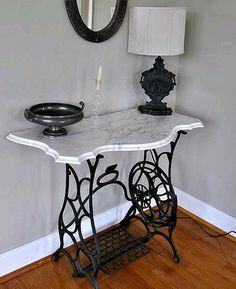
(55, 116)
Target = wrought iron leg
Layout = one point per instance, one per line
(130, 214)
(171, 241)
(82, 208)
(153, 195)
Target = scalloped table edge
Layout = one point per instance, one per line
(101, 149)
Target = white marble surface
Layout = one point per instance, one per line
(126, 130)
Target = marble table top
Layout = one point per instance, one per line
(127, 130)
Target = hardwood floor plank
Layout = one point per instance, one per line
(220, 246)
(175, 274)
(15, 283)
(129, 278)
(207, 262)
(143, 269)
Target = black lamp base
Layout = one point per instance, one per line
(155, 110)
(157, 83)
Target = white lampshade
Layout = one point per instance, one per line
(157, 30)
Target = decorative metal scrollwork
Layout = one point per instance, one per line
(83, 210)
(150, 189)
(151, 195)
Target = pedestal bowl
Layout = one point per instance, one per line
(55, 116)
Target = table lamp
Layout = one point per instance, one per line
(157, 31)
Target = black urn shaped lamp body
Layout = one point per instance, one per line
(157, 83)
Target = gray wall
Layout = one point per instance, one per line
(206, 159)
(43, 59)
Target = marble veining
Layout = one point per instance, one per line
(127, 130)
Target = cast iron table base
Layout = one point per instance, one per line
(153, 203)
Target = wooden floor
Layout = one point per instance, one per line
(205, 263)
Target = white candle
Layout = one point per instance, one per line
(99, 78)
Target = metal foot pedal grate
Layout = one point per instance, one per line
(118, 248)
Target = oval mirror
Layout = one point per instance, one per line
(96, 20)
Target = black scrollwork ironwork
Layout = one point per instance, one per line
(151, 195)
(96, 249)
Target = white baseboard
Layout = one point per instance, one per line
(208, 213)
(36, 250)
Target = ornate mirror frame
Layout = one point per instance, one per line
(96, 36)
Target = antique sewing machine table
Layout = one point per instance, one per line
(150, 192)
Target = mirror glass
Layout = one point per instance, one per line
(96, 14)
